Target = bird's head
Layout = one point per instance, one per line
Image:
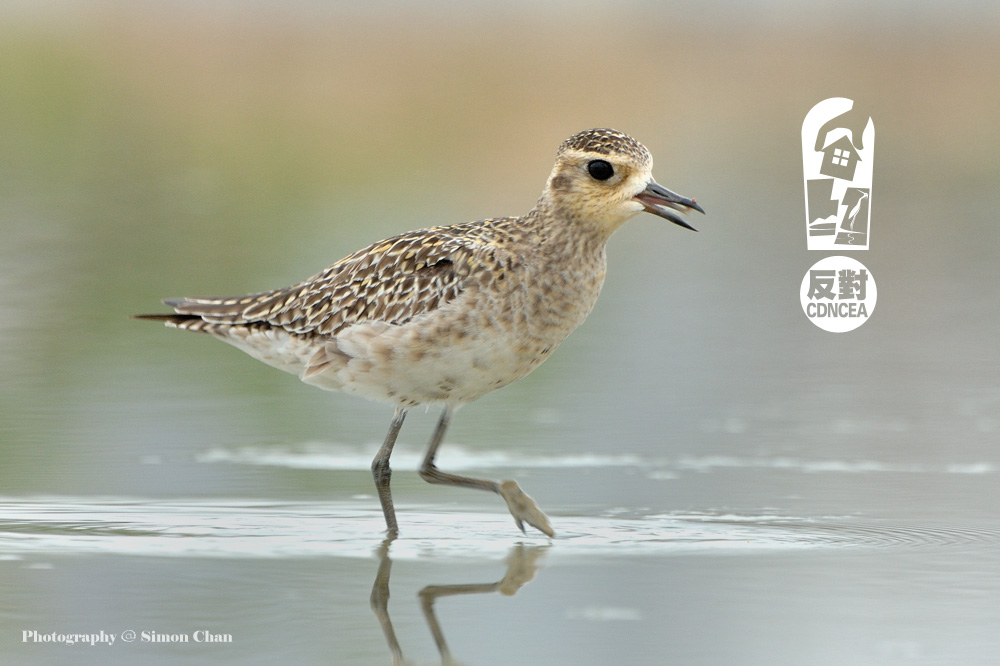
(603, 177)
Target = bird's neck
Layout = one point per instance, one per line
(562, 234)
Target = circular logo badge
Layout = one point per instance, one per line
(838, 294)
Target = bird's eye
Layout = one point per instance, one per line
(600, 170)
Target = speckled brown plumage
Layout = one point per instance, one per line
(391, 281)
(446, 314)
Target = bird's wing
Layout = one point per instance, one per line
(392, 281)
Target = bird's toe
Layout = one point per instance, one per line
(524, 509)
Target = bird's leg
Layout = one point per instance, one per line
(382, 474)
(521, 506)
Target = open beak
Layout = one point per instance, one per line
(658, 200)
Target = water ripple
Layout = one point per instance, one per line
(323, 455)
(242, 528)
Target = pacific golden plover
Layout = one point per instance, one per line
(447, 314)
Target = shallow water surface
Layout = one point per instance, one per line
(311, 580)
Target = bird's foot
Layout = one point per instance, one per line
(524, 509)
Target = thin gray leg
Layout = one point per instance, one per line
(521, 506)
(382, 474)
(431, 474)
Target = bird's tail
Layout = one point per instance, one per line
(181, 321)
(204, 314)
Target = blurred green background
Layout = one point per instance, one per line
(161, 149)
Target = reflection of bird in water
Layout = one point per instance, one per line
(522, 564)
(852, 216)
(447, 314)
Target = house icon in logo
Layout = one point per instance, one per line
(838, 149)
(839, 159)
